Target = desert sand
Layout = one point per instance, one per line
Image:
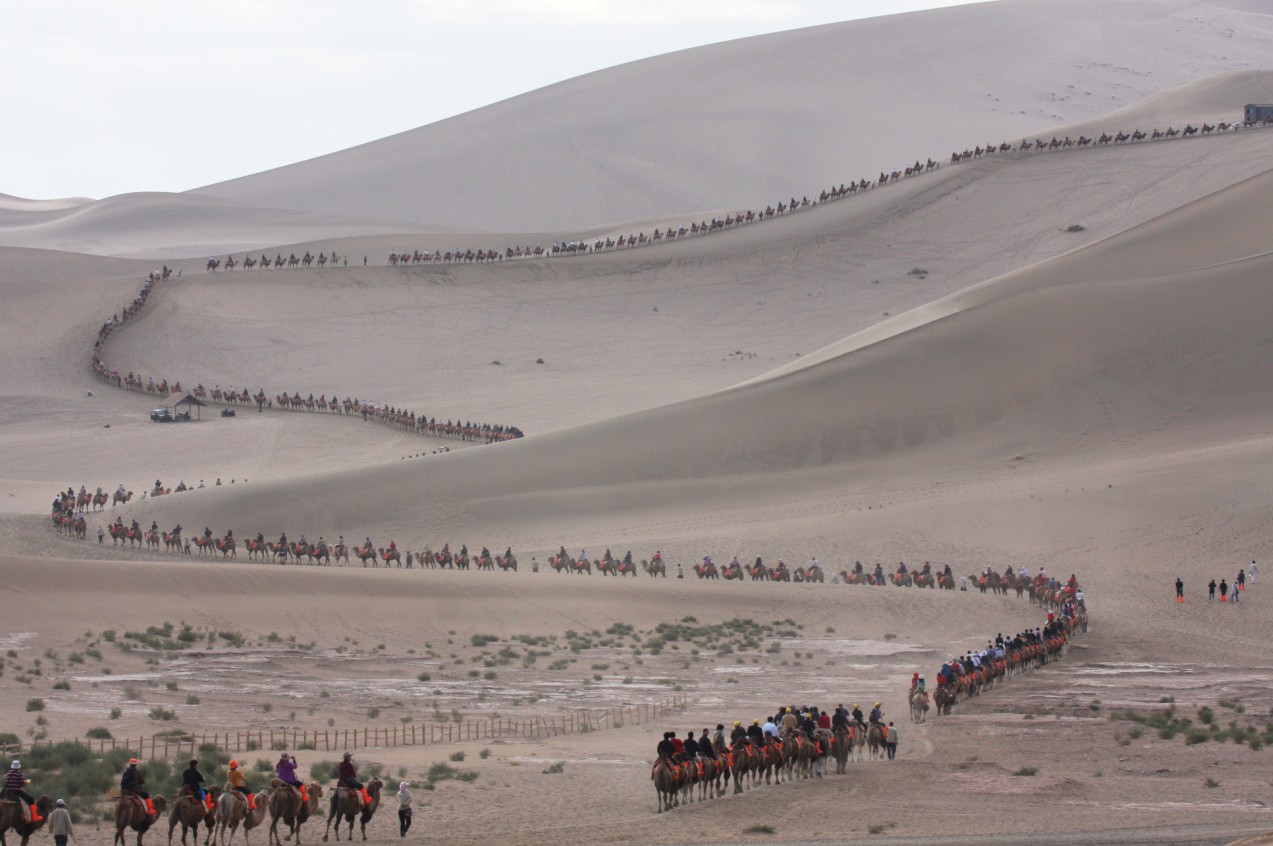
(1057, 359)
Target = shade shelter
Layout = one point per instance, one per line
(191, 401)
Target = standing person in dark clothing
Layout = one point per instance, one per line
(1211, 590)
(1180, 590)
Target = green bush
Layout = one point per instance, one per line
(35, 704)
(98, 733)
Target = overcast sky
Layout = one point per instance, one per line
(105, 97)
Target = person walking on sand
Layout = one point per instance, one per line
(1180, 590)
(1254, 571)
(1211, 590)
(1224, 591)
(1241, 582)
(890, 742)
(404, 808)
(60, 825)
(1233, 592)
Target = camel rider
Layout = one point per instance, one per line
(808, 725)
(347, 776)
(15, 786)
(136, 527)
(154, 526)
(207, 533)
(790, 722)
(133, 782)
(393, 546)
(486, 553)
(877, 715)
(340, 541)
(927, 568)
(658, 556)
(665, 749)
(192, 781)
(239, 785)
(260, 537)
(705, 747)
(583, 556)
(561, 554)
(718, 739)
(919, 685)
(737, 733)
(840, 719)
(690, 747)
(120, 490)
(366, 544)
(464, 550)
(782, 565)
(282, 539)
(857, 716)
(627, 557)
(229, 534)
(285, 769)
(857, 567)
(901, 567)
(756, 733)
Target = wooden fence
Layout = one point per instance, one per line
(165, 746)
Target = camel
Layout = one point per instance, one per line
(390, 556)
(345, 804)
(100, 500)
(121, 497)
(130, 812)
(945, 698)
(919, 705)
(233, 812)
(365, 554)
(667, 780)
(841, 746)
(733, 571)
(188, 812)
(654, 568)
(583, 566)
(286, 805)
(627, 568)
(340, 552)
(875, 740)
(11, 818)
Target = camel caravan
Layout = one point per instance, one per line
(679, 231)
(398, 418)
(797, 743)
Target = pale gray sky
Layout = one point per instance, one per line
(104, 98)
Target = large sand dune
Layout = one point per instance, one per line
(1056, 359)
(679, 132)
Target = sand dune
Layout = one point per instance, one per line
(679, 132)
(1054, 359)
(158, 225)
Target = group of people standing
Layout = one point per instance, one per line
(1229, 592)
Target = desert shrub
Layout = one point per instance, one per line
(35, 704)
(98, 733)
(457, 756)
(1027, 771)
(555, 767)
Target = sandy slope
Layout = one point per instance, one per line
(679, 132)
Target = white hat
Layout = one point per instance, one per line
(61, 803)
(17, 765)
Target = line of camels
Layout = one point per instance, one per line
(398, 418)
(224, 813)
(748, 762)
(678, 231)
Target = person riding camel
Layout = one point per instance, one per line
(207, 533)
(658, 556)
(15, 787)
(347, 776)
(229, 534)
(285, 769)
(136, 527)
(133, 783)
(858, 718)
(583, 556)
(926, 569)
(789, 723)
(782, 565)
(393, 546)
(192, 782)
(737, 732)
(154, 526)
(877, 715)
(857, 567)
(901, 568)
(260, 537)
(366, 544)
(239, 785)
